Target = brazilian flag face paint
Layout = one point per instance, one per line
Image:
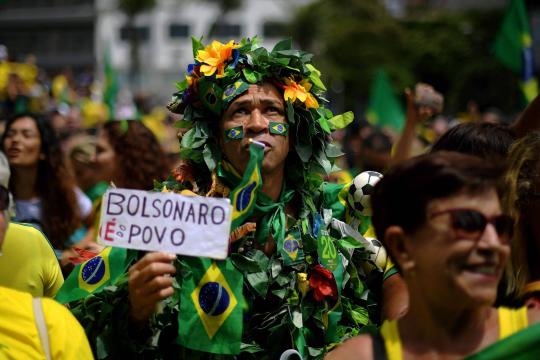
(235, 133)
(278, 128)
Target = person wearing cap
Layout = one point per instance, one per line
(32, 327)
(26, 250)
(255, 129)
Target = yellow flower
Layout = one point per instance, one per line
(300, 91)
(214, 57)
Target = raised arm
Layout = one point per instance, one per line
(421, 105)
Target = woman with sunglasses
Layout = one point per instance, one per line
(44, 191)
(440, 219)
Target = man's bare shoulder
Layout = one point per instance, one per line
(358, 348)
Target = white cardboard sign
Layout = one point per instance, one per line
(153, 221)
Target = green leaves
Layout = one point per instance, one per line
(208, 156)
(341, 121)
(283, 45)
(255, 269)
(314, 77)
(333, 151)
(324, 125)
(251, 75)
(183, 124)
(196, 45)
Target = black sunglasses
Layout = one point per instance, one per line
(4, 198)
(469, 223)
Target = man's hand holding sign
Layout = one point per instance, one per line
(167, 223)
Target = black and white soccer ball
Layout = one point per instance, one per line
(378, 253)
(360, 191)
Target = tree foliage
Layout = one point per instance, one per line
(451, 50)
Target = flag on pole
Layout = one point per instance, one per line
(94, 274)
(110, 88)
(513, 47)
(524, 345)
(210, 317)
(384, 108)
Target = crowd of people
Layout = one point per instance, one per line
(423, 246)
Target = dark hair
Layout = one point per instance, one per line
(402, 196)
(54, 184)
(140, 158)
(485, 140)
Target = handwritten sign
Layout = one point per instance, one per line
(152, 221)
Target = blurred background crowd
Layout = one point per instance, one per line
(82, 63)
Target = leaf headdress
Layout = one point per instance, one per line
(222, 72)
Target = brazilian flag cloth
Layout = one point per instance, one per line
(210, 317)
(94, 274)
(524, 345)
(513, 47)
(243, 197)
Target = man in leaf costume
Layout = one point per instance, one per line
(255, 130)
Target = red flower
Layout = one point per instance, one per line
(323, 283)
(83, 255)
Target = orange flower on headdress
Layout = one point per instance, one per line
(300, 91)
(214, 56)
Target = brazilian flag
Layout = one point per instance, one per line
(94, 274)
(210, 317)
(243, 196)
(524, 345)
(513, 47)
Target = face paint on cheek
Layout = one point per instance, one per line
(235, 133)
(278, 128)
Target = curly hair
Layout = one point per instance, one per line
(523, 160)
(139, 158)
(54, 184)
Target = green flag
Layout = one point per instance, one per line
(110, 88)
(243, 196)
(210, 317)
(94, 274)
(384, 108)
(513, 47)
(524, 345)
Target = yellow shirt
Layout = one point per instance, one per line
(19, 337)
(28, 262)
(510, 322)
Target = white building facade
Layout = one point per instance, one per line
(166, 31)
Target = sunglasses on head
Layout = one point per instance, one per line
(469, 223)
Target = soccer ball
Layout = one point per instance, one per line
(360, 191)
(378, 257)
(378, 252)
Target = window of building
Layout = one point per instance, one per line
(142, 33)
(274, 29)
(224, 30)
(178, 30)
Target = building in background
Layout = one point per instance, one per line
(165, 34)
(59, 33)
(77, 33)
